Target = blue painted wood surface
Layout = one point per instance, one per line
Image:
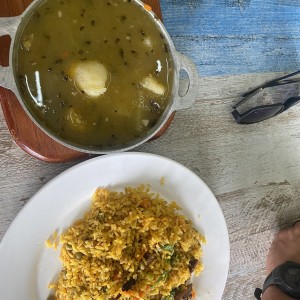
(229, 37)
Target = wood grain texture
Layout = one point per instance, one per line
(25, 133)
(228, 37)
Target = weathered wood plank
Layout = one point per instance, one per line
(261, 210)
(230, 37)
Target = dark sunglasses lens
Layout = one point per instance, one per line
(260, 113)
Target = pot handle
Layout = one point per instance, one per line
(187, 100)
(6, 79)
(8, 26)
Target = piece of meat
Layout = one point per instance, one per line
(192, 264)
(128, 285)
(149, 257)
(185, 292)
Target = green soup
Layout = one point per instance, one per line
(96, 73)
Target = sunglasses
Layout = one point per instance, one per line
(263, 112)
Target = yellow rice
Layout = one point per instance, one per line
(110, 245)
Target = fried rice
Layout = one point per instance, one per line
(129, 245)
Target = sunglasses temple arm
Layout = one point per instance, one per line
(248, 97)
(285, 82)
(272, 83)
(287, 76)
(260, 88)
(276, 82)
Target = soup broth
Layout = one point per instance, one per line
(96, 73)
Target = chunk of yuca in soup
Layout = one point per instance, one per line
(90, 77)
(152, 85)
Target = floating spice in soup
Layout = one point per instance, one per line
(96, 73)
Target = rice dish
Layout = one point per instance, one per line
(129, 245)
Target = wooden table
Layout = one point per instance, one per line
(253, 170)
